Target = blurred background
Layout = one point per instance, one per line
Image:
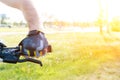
(68, 15)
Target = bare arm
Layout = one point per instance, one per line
(28, 10)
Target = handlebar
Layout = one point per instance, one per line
(12, 55)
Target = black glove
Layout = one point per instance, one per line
(34, 44)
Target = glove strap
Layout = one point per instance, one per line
(33, 32)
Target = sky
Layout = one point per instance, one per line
(70, 10)
(14, 14)
(67, 10)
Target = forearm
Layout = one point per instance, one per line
(30, 15)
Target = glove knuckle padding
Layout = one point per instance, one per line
(34, 44)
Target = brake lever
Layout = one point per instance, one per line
(12, 55)
(30, 60)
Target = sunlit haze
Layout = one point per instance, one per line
(68, 10)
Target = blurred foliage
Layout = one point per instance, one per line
(100, 22)
(68, 24)
(115, 24)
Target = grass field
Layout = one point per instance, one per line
(75, 56)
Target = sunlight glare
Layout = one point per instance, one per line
(70, 10)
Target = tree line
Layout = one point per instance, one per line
(114, 25)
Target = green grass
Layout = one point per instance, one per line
(75, 56)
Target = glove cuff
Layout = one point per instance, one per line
(33, 32)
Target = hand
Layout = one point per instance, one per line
(35, 44)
